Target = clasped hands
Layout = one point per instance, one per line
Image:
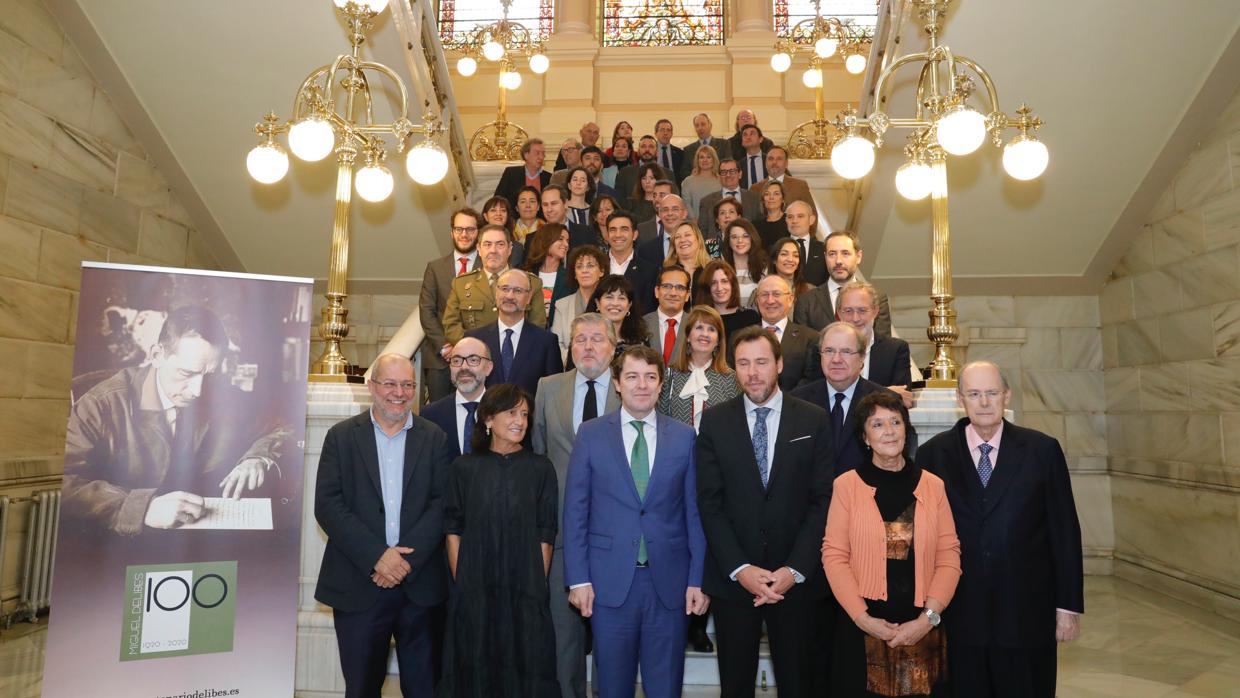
(894, 634)
(765, 585)
(391, 568)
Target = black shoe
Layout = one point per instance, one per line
(700, 641)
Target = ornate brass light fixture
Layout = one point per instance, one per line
(325, 118)
(822, 37)
(501, 42)
(944, 123)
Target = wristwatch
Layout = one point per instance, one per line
(933, 617)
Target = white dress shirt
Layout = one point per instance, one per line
(848, 396)
(629, 434)
(865, 366)
(617, 267)
(516, 334)
(461, 414)
(470, 260)
(601, 386)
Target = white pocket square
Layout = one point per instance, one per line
(800, 438)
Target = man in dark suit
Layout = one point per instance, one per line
(589, 134)
(752, 156)
(670, 157)
(564, 401)
(664, 322)
(525, 351)
(887, 359)
(633, 543)
(764, 484)
(800, 344)
(470, 364)
(622, 258)
(843, 350)
(534, 153)
(795, 189)
(802, 228)
(746, 117)
(1022, 586)
(702, 126)
(816, 309)
(647, 151)
(592, 160)
(379, 499)
(730, 186)
(655, 237)
(554, 203)
(433, 298)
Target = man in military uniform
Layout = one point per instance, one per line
(472, 301)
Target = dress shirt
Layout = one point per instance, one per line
(834, 287)
(865, 367)
(782, 325)
(617, 267)
(804, 242)
(516, 334)
(848, 397)
(776, 405)
(663, 323)
(579, 395)
(733, 193)
(470, 259)
(391, 451)
(461, 414)
(629, 434)
(754, 164)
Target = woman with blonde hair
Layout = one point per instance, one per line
(688, 250)
(704, 179)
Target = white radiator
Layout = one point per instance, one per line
(43, 522)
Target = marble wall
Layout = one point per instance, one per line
(74, 186)
(1171, 351)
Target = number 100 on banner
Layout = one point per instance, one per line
(178, 609)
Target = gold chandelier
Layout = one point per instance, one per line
(822, 37)
(501, 42)
(944, 122)
(333, 112)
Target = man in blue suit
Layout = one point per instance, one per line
(522, 352)
(634, 549)
(469, 364)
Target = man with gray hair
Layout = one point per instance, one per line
(654, 237)
(562, 403)
(702, 126)
(886, 360)
(469, 365)
(531, 173)
(569, 157)
(799, 343)
(1022, 586)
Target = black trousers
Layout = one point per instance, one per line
(989, 671)
(792, 629)
(365, 637)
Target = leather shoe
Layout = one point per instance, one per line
(699, 640)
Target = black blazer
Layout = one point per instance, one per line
(815, 309)
(801, 361)
(814, 269)
(442, 413)
(512, 179)
(849, 450)
(1020, 540)
(538, 355)
(651, 249)
(781, 525)
(348, 504)
(643, 273)
(889, 361)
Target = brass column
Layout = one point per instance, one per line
(331, 364)
(942, 330)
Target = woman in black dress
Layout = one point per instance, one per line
(500, 519)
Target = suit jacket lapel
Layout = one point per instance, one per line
(364, 439)
(564, 405)
(523, 352)
(661, 462)
(1007, 464)
(965, 472)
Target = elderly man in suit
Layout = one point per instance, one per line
(730, 186)
(531, 173)
(795, 189)
(702, 126)
(1022, 587)
(802, 224)
(379, 499)
(633, 543)
(526, 351)
(569, 157)
(563, 403)
(471, 304)
(669, 156)
(589, 135)
(655, 236)
(800, 344)
(816, 309)
(764, 484)
(470, 364)
(664, 322)
(433, 298)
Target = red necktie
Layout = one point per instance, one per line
(463, 270)
(669, 341)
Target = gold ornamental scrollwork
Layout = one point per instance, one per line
(497, 140)
(813, 140)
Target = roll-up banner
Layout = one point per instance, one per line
(177, 555)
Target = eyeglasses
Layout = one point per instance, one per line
(459, 229)
(729, 170)
(405, 386)
(472, 361)
(772, 294)
(975, 395)
(679, 288)
(831, 352)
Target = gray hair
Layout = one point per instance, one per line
(856, 285)
(862, 340)
(594, 319)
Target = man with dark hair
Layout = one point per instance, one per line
(665, 322)
(554, 201)
(670, 156)
(795, 189)
(752, 155)
(141, 450)
(745, 117)
(729, 187)
(433, 298)
(802, 222)
(534, 153)
(764, 484)
(523, 352)
(647, 151)
(622, 258)
(841, 258)
(633, 542)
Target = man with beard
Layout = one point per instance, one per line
(795, 189)
(816, 309)
(433, 299)
(592, 160)
(647, 151)
(471, 303)
(470, 364)
(526, 352)
(562, 403)
(764, 484)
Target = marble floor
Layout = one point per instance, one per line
(1135, 644)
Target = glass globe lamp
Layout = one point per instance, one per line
(812, 78)
(1025, 158)
(961, 130)
(914, 180)
(373, 182)
(492, 50)
(539, 63)
(426, 163)
(855, 64)
(267, 163)
(467, 66)
(781, 62)
(825, 47)
(853, 157)
(311, 139)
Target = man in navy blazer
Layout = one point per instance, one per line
(469, 365)
(522, 352)
(634, 549)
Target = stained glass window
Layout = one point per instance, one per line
(862, 13)
(459, 18)
(661, 22)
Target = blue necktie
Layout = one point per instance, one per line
(507, 354)
(759, 443)
(469, 426)
(984, 466)
(753, 170)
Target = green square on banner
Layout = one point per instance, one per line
(178, 609)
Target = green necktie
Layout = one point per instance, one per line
(639, 463)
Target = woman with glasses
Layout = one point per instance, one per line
(580, 193)
(744, 252)
(548, 248)
(528, 214)
(771, 225)
(688, 251)
(787, 264)
(500, 520)
(588, 264)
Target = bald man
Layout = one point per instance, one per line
(469, 364)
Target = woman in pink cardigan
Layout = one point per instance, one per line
(892, 558)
